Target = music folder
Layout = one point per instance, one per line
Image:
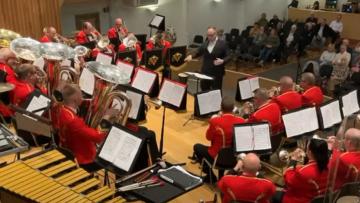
(252, 137)
(144, 80)
(177, 55)
(180, 177)
(208, 102)
(120, 150)
(350, 103)
(153, 59)
(128, 57)
(172, 93)
(246, 87)
(37, 103)
(329, 114)
(300, 121)
(137, 111)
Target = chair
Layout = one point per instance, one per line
(198, 40)
(348, 190)
(224, 160)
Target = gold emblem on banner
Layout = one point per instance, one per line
(176, 57)
(153, 60)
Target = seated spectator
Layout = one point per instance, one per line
(311, 20)
(316, 5)
(271, 43)
(345, 42)
(340, 69)
(355, 55)
(293, 4)
(273, 23)
(306, 37)
(254, 30)
(337, 27)
(321, 32)
(326, 59)
(262, 21)
(237, 187)
(291, 40)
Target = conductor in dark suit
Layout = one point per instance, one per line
(215, 56)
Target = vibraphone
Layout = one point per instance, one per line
(51, 177)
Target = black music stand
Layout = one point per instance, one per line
(128, 57)
(157, 22)
(142, 40)
(198, 77)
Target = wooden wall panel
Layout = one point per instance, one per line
(30, 17)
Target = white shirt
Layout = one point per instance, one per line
(321, 31)
(336, 26)
(211, 45)
(290, 38)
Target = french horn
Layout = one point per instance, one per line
(107, 77)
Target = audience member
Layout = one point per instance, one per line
(337, 26)
(271, 43)
(340, 68)
(321, 32)
(262, 21)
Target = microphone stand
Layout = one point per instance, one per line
(162, 132)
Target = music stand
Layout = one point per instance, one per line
(178, 91)
(198, 77)
(128, 57)
(153, 59)
(177, 55)
(157, 22)
(245, 88)
(142, 40)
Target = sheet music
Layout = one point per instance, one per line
(104, 59)
(295, 124)
(120, 148)
(350, 103)
(87, 81)
(135, 103)
(38, 102)
(245, 89)
(125, 67)
(200, 76)
(66, 62)
(39, 62)
(254, 83)
(144, 80)
(156, 21)
(172, 93)
(209, 102)
(243, 138)
(330, 114)
(261, 136)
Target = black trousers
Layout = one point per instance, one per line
(212, 84)
(201, 152)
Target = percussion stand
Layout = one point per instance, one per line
(192, 117)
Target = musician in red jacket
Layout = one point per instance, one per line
(288, 99)
(312, 95)
(117, 33)
(266, 110)
(223, 123)
(74, 134)
(247, 187)
(87, 36)
(27, 79)
(347, 164)
(50, 35)
(108, 50)
(303, 183)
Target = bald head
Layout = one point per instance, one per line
(307, 80)
(251, 163)
(286, 84)
(87, 27)
(352, 139)
(118, 22)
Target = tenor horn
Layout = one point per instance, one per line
(107, 77)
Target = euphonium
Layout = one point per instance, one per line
(107, 77)
(81, 51)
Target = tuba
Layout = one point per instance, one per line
(107, 77)
(6, 36)
(26, 48)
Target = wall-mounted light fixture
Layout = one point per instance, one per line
(217, 0)
(151, 7)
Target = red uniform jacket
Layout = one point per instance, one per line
(271, 113)
(225, 122)
(166, 44)
(44, 39)
(76, 136)
(10, 74)
(313, 96)
(112, 33)
(21, 91)
(123, 48)
(289, 100)
(246, 188)
(82, 38)
(304, 183)
(96, 51)
(348, 167)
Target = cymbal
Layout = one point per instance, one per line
(5, 87)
